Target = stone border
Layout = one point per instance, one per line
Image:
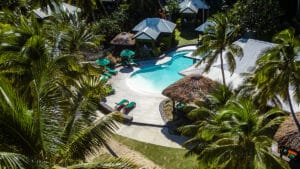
(161, 110)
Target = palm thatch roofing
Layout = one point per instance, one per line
(124, 39)
(189, 88)
(288, 135)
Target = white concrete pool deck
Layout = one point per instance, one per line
(145, 112)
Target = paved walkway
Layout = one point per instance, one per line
(146, 111)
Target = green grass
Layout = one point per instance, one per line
(168, 158)
(186, 36)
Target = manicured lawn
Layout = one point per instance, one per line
(168, 158)
(186, 36)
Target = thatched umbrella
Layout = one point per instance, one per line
(288, 135)
(189, 88)
(123, 39)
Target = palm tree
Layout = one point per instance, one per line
(25, 50)
(140, 9)
(60, 129)
(22, 49)
(259, 96)
(217, 39)
(44, 4)
(205, 126)
(278, 69)
(236, 137)
(90, 7)
(57, 124)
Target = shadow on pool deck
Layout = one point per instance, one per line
(126, 69)
(175, 138)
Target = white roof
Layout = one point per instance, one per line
(150, 28)
(204, 26)
(192, 6)
(62, 6)
(252, 50)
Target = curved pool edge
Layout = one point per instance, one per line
(144, 86)
(141, 91)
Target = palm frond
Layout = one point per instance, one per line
(106, 164)
(12, 160)
(16, 120)
(92, 136)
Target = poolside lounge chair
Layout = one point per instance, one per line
(112, 71)
(130, 62)
(104, 78)
(111, 91)
(107, 74)
(129, 106)
(121, 104)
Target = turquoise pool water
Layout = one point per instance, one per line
(155, 78)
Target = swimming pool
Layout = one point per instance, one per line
(155, 78)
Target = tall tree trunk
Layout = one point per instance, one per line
(292, 110)
(298, 3)
(222, 68)
(103, 8)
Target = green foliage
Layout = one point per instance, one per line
(112, 24)
(48, 98)
(215, 40)
(91, 8)
(236, 136)
(183, 37)
(278, 68)
(12, 160)
(262, 17)
(156, 51)
(140, 9)
(14, 4)
(173, 9)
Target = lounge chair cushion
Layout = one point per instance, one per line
(111, 70)
(130, 105)
(123, 102)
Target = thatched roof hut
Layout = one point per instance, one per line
(189, 88)
(288, 135)
(123, 39)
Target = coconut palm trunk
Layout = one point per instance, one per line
(222, 68)
(215, 39)
(292, 110)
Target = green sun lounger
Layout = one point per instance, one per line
(111, 91)
(106, 74)
(130, 106)
(131, 62)
(121, 104)
(113, 71)
(104, 78)
(126, 62)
